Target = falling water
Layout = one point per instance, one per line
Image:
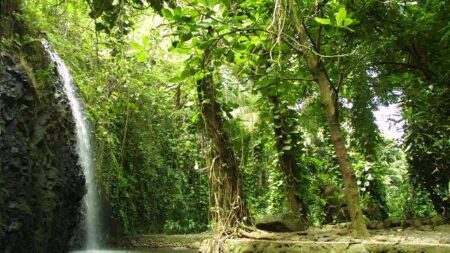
(84, 148)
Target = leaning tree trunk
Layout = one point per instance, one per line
(229, 210)
(348, 174)
(317, 70)
(288, 162)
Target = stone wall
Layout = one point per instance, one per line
(41, 182)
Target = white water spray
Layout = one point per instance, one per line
(84, 148)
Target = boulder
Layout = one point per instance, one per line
(284, 222)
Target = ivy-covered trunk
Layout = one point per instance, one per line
(318, 72)
(287, 157)
(229, 210)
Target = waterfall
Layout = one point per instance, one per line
(84, 148)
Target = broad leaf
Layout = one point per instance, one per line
(323, 21)
(348, 21)
(167, 13)
(340, 16)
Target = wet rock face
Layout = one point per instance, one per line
(41, 183)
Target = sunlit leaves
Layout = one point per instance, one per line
(140, 50)
(167, 13)
(323, 21)
(341, 18)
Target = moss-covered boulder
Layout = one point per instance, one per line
(284, 222)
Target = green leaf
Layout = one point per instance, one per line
(135, 46)
(180, 50)
(186, 37)
(195, 117)
(145, 41)
(142, 57)
(218, 53)
(178, 12)
(199, 76)
(348, 21)
(340, 16)
(167, 13)
(186, 73)
(230, 56)
(211, 3)
(255, 40)
(323, 21)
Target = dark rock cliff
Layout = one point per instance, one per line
(41, 182)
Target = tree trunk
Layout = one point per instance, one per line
(288, 162)
(348, 174)
(229, 210)
(317, 70)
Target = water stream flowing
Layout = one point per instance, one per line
(84, 149)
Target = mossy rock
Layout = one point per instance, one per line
(284, 222)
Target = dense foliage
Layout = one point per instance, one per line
(149, 71)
